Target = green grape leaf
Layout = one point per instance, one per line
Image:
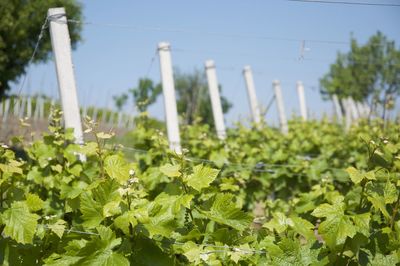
(293, 253)
(98, 251)
(224, 211)
(92, 211)
(111, 208)
(355, 175)
(390, 193)
(337, 226)
(117, 168)
(58, 227)
(361, 222)
(303, 227)
(33, 202)
(123, 221)
(279, 222)
(20, 224)
(201, 178)
(170, 170)
(379, 204)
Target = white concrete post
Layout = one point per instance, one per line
(353, 108)
(171, 112)
(22, 108)
(281, 107)
(348, 113)
(338, 110)
(1, 107)
(29, 107)
(302, 100)
(17, 106)
(251, 92)
(41, 108)
(6, 110)
(215, 99)
(61, 44)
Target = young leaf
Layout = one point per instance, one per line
(117, 168)
(224, 211)
(33, 202)
(201, 178)
(20, 224)
(58, 228)
(337, 226)
(170, 170)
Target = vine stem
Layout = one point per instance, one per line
(100, 154)
(187, 192)
(395, 210)
(362, 195)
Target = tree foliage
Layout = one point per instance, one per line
(20, 25)
(366, 72)
(193, 98)
(145, 93)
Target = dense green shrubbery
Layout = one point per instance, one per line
(317, 196)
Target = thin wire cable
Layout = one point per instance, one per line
(40, 37)
(151, 64)
(258, 168)
(346, 3)
(219, 34)
(224, 248)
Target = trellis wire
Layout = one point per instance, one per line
(224, 248)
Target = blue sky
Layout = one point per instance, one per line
(110, 60)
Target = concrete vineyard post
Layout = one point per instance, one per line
(29, 107)
(338, 110)
(16, 106)
(6, 110)
(348, 113)
(280, 106)
(215, 99)
(1, 107)
(171, 113)
(302, 100)
(22, 108)
(60, 41)
(251, 92)
(353, 108)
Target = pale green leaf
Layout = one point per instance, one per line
(390, 193)
(224, 211)
(201, 178)
(92, 211)
(303, 227)
(117, 168)
(33, 202)
(20, 224)
(355, 175)
(58, 227)
(279, 222)
(361, 222)
(379, 204)
(123, 221)
(111, 208)
(170, 170)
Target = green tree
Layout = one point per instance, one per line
(145, 93)
(20, 25)
(369, 72)
(120, 100)
(193, 99)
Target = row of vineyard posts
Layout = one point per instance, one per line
(61, 46)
